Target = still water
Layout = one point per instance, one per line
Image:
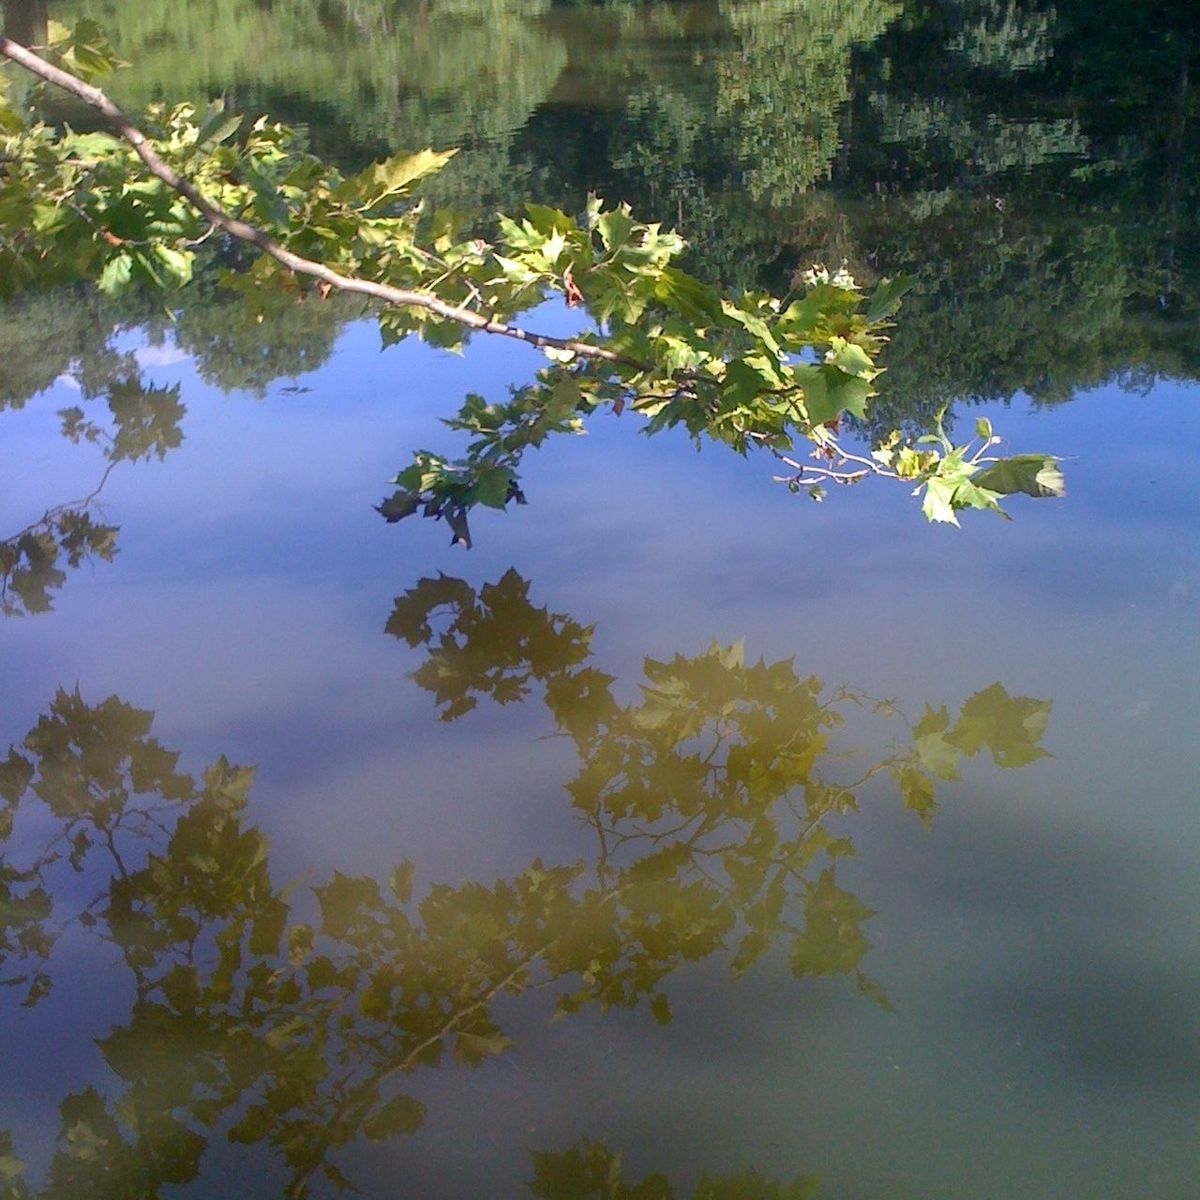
(680, 821)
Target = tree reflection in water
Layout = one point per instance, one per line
(144, 423)
(708, 796)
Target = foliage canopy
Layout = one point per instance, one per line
(752, 371)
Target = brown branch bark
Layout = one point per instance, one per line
(246, 232)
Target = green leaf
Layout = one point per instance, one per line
(88, 52)
(549, 221)
(10, 119)
(754, 324)
(886, 299)
(969, 495)
(49, 217)
(802, 320)
(177, 262)
(938, 504)
(491, 488)
(693, 300)
(851, 358)
(117, 273)
(1035, 475)
(747, 378)
(615, 227)
(394, 175)
(270, 204)
(400, 1115)
(218, 125)
(829, 392)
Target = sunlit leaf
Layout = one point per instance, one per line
(1036, 475)
(394, 175)
(885, 300)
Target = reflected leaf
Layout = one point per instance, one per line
(833, 940)
(934, 751)
(400, 1115)
(31, 561)
(1009, 727)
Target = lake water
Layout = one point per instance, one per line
(606, 808)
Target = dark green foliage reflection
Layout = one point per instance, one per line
(267, 1017)
(591, 1171)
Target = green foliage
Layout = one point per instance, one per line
(735, 370)
(11, 1170)
(291, 1021)
(962, 119)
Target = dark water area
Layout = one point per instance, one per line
(682, 837)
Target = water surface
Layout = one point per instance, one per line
(951, 817)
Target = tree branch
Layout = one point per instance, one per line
(246, 232)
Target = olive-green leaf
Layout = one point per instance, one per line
(402, 1114)
(471, 1049)
(1010, 727)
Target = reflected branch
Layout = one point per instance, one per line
(29, 560)
(290, 1021)
(145, 424)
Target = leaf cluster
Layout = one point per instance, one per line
(747, 371)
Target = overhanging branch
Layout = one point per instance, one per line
(243, 231)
